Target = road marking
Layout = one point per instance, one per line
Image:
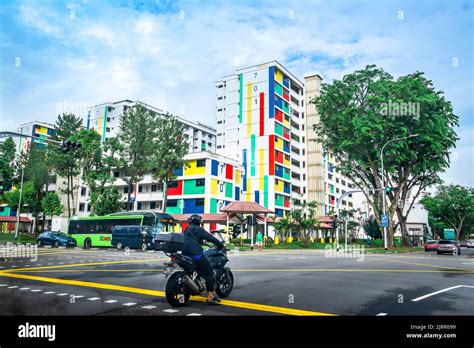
(36, 290)
(49, 292)
(420, 264)
(3, 284)
(13, 287)
(441, 291)
(170, 310)
(63, 294)
(93, 299)
(157, 293)
(90, 264)
(193, 315)
(78, 296)
(110, 301)
(149, 307)
(128, 304)
(381, 314)
(94, 270)
(24, 288)
(352, 270)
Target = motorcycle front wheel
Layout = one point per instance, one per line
(225, 284)
(177, 293)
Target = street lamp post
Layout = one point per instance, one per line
(384, 212)
(19, 204)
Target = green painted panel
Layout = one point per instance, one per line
(252, 162)
(279, 129)
(175, 210)
(285, 107)
(213, 207)
(190, 188)
(278, 89)
(240, 97)
(286, 174)
(228, 190)
(279, 200)
(5, 212)
(265, 191)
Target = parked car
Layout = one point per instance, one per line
(463, 244)
(431, 245)
(55, 239)
(133, 237)
(470, 243)
(448, 246)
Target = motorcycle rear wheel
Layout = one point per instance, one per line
(177, 294)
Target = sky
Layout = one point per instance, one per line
(68, 55)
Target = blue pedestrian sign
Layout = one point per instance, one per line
(384, 220)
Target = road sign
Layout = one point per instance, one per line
(448, 233)
(384, 220)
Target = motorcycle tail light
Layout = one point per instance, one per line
(173, 258)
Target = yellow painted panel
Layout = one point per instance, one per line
(279, 186)
(42, 130)
(286, 162)
(99, 126)
(237, 177)
(261, 167)
(193, 169)
(249, 109)
(214, 187)
(278, 143)
(279, 76)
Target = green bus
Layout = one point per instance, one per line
(96, 231)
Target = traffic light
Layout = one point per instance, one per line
(250, 220)
(68, 145)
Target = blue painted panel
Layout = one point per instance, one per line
(278, 102)
(278, 170)
(178, 171)
(214, 167)
(286, 146)
(237, 193)
(257, 196)
(286, 82)
(286, 187)
(190, 207)
(279, 212)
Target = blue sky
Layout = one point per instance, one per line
(169, 53)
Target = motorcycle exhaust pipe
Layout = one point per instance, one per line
(191, 285)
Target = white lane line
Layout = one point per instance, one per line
(13, 287)
(36, 290)
(149, 307)
(381, 314)
(49, 292)
(128, 304)
(441, 291)
(14, 266)
(110, 301)
(193, 315)
(3, 285)
(78, 296)
(2, 267)
(93, 299)
(63, 294)
(27, 265)
(24, 288)
(170, 310)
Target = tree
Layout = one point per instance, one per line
(137, 139)
(171, 148)
(7, 158)
(282, 227)
(52, 205)
(97, 161)
(303, 217)
(367, 108)
(28, 198)
(66, 165)
(372, 228)
(453, 206)
(353, 223)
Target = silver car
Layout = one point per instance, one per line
(470, 243)
(448, 246)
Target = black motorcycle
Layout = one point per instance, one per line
(184, 282)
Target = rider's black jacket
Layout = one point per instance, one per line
(194, 237)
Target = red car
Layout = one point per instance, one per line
(431, 245)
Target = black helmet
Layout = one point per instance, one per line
(195, 219)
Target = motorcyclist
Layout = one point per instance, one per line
(194, 236)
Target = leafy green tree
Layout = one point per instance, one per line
(358, 117)
(453, 206)
(353, 223)
(7, 158)
(303, 217)
(372, 228)
(109, 201)
(66, 165)
(97, 161)
(170, 149)
(51, 204)
(28, 198)
(137, 139)
(282, 227)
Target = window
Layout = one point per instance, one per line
(81, 207)
(201, 163)
(337, 180)
(337, 190)
(219, 146)
(172, 203)
(173, 184)
(219, 122)
(209, 144)
(116, 174)
(200, 182)
(219, 109)
(89, 207)
(140, 188)
(199, 202)
(220, 98)
(343, 182)
(153, 205)
(330, 176)
(139, 206)
(83, 191)
(153, 188)
(107, 129)
(125, 189)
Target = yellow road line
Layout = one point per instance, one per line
(89, 264)
(157, 293)
(421, 264)
(255, 270)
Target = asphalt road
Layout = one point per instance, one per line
(110, 282)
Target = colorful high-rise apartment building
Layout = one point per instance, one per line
(42, 130)
(260, 122)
